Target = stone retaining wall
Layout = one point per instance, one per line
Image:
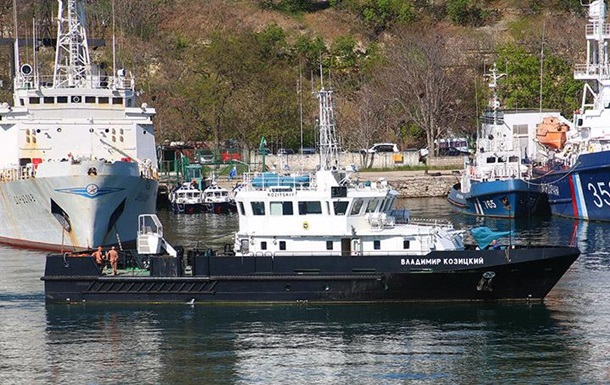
(385, 160)
(424, 186)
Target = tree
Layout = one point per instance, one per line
(521, 87)
(422, 83)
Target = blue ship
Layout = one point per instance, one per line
(581, 191)
(495, 181)
(576, 176)
(508, 198)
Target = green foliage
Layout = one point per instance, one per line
(465, 12)
(310, 49)
(379, 15)
(272, 42)
(521, 86)
(343, 52)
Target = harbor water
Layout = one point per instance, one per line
(565, 340)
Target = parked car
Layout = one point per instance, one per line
(285, 151)
(381, 147)
(452, 151)
(205, 156)
(307, 151)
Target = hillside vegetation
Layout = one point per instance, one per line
(402, 71)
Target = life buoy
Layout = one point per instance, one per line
(305, 225)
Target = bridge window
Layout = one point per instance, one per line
(377, 245)
(406, 244)
(258, 208)
(358, 203)
(340, 207)
(117, 100)
(263, 245)
(62, 99)
(372, 205)
(281, 208)
(329, 245)
(103, 100)
(310, 207)
(34, 100)
(282, 245)
(90, 99)
(48, 100)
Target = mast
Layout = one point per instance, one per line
(493, 117)
(72, 65)
(329, 149)
(596, 68)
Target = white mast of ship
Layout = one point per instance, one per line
(329, 147)
(494, 126)
(72, 65)
(597, 67)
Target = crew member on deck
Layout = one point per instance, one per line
(98, 255)
(113, 257)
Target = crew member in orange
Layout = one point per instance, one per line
(113, 257)
(98, 256)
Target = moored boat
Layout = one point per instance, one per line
(495, 181)
(333, 240)
(216, 200)
(575, 176)
(78, 161)
(187, 199)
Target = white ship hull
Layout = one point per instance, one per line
(75, 210)
(78, 161)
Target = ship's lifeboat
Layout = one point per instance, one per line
(552, 133)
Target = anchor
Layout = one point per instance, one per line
(485, 282)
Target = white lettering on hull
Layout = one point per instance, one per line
(24, 199)
(441, 261)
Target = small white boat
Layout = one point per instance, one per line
(187, 199)
(216, 200)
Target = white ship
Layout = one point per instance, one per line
(78, 160)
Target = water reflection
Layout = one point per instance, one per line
(296, 344)
(564, 340)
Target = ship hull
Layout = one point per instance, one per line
(66, 208)
(511, 198)
(582, 191)
(468, 275)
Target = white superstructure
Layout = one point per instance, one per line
(329, 213)
(78, 163)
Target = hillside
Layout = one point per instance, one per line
(219, 69)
